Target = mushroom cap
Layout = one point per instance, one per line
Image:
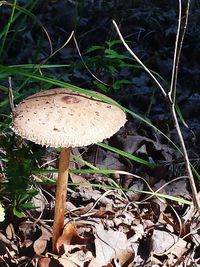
(61, 117)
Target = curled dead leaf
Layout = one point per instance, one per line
(69, 236)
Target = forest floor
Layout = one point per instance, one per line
(114, 219)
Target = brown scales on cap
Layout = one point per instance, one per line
(63, 118)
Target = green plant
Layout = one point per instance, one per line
(106, 61)
(17, 20)
(19, 163)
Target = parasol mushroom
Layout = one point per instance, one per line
(63, 118)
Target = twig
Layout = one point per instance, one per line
(174, 70)
(138, 60)
(177, 51)
(81, 57)
(10, 95)
(186, 159)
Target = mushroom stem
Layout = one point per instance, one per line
(61, 192)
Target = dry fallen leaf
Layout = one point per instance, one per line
(78, 178)
(76, 254)
(109, 244)
(10, 232)
(41, 243)
(66, 263)
(69, 236)
(165, 243)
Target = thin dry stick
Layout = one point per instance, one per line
(10, 95)
(53, 53)
(138, 60)
(186, 159)
(196, 200)
(60, 48)
(81, 57)
(178, 47)
(174, 71)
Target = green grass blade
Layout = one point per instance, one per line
(127, 155)
(113, 187)
(31, 15)
(7, 27)
(86, 163)
(40, 66)
(160, 195)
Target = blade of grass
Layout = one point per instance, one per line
(46, 60)
(40, 66)
(88, 164)
(31, 15)
(7, 27)
(29, 5)
(115, 187)
(127, 155)
(173, 198)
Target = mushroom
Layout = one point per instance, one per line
(63, 118)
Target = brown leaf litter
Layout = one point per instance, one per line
(112, 231)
